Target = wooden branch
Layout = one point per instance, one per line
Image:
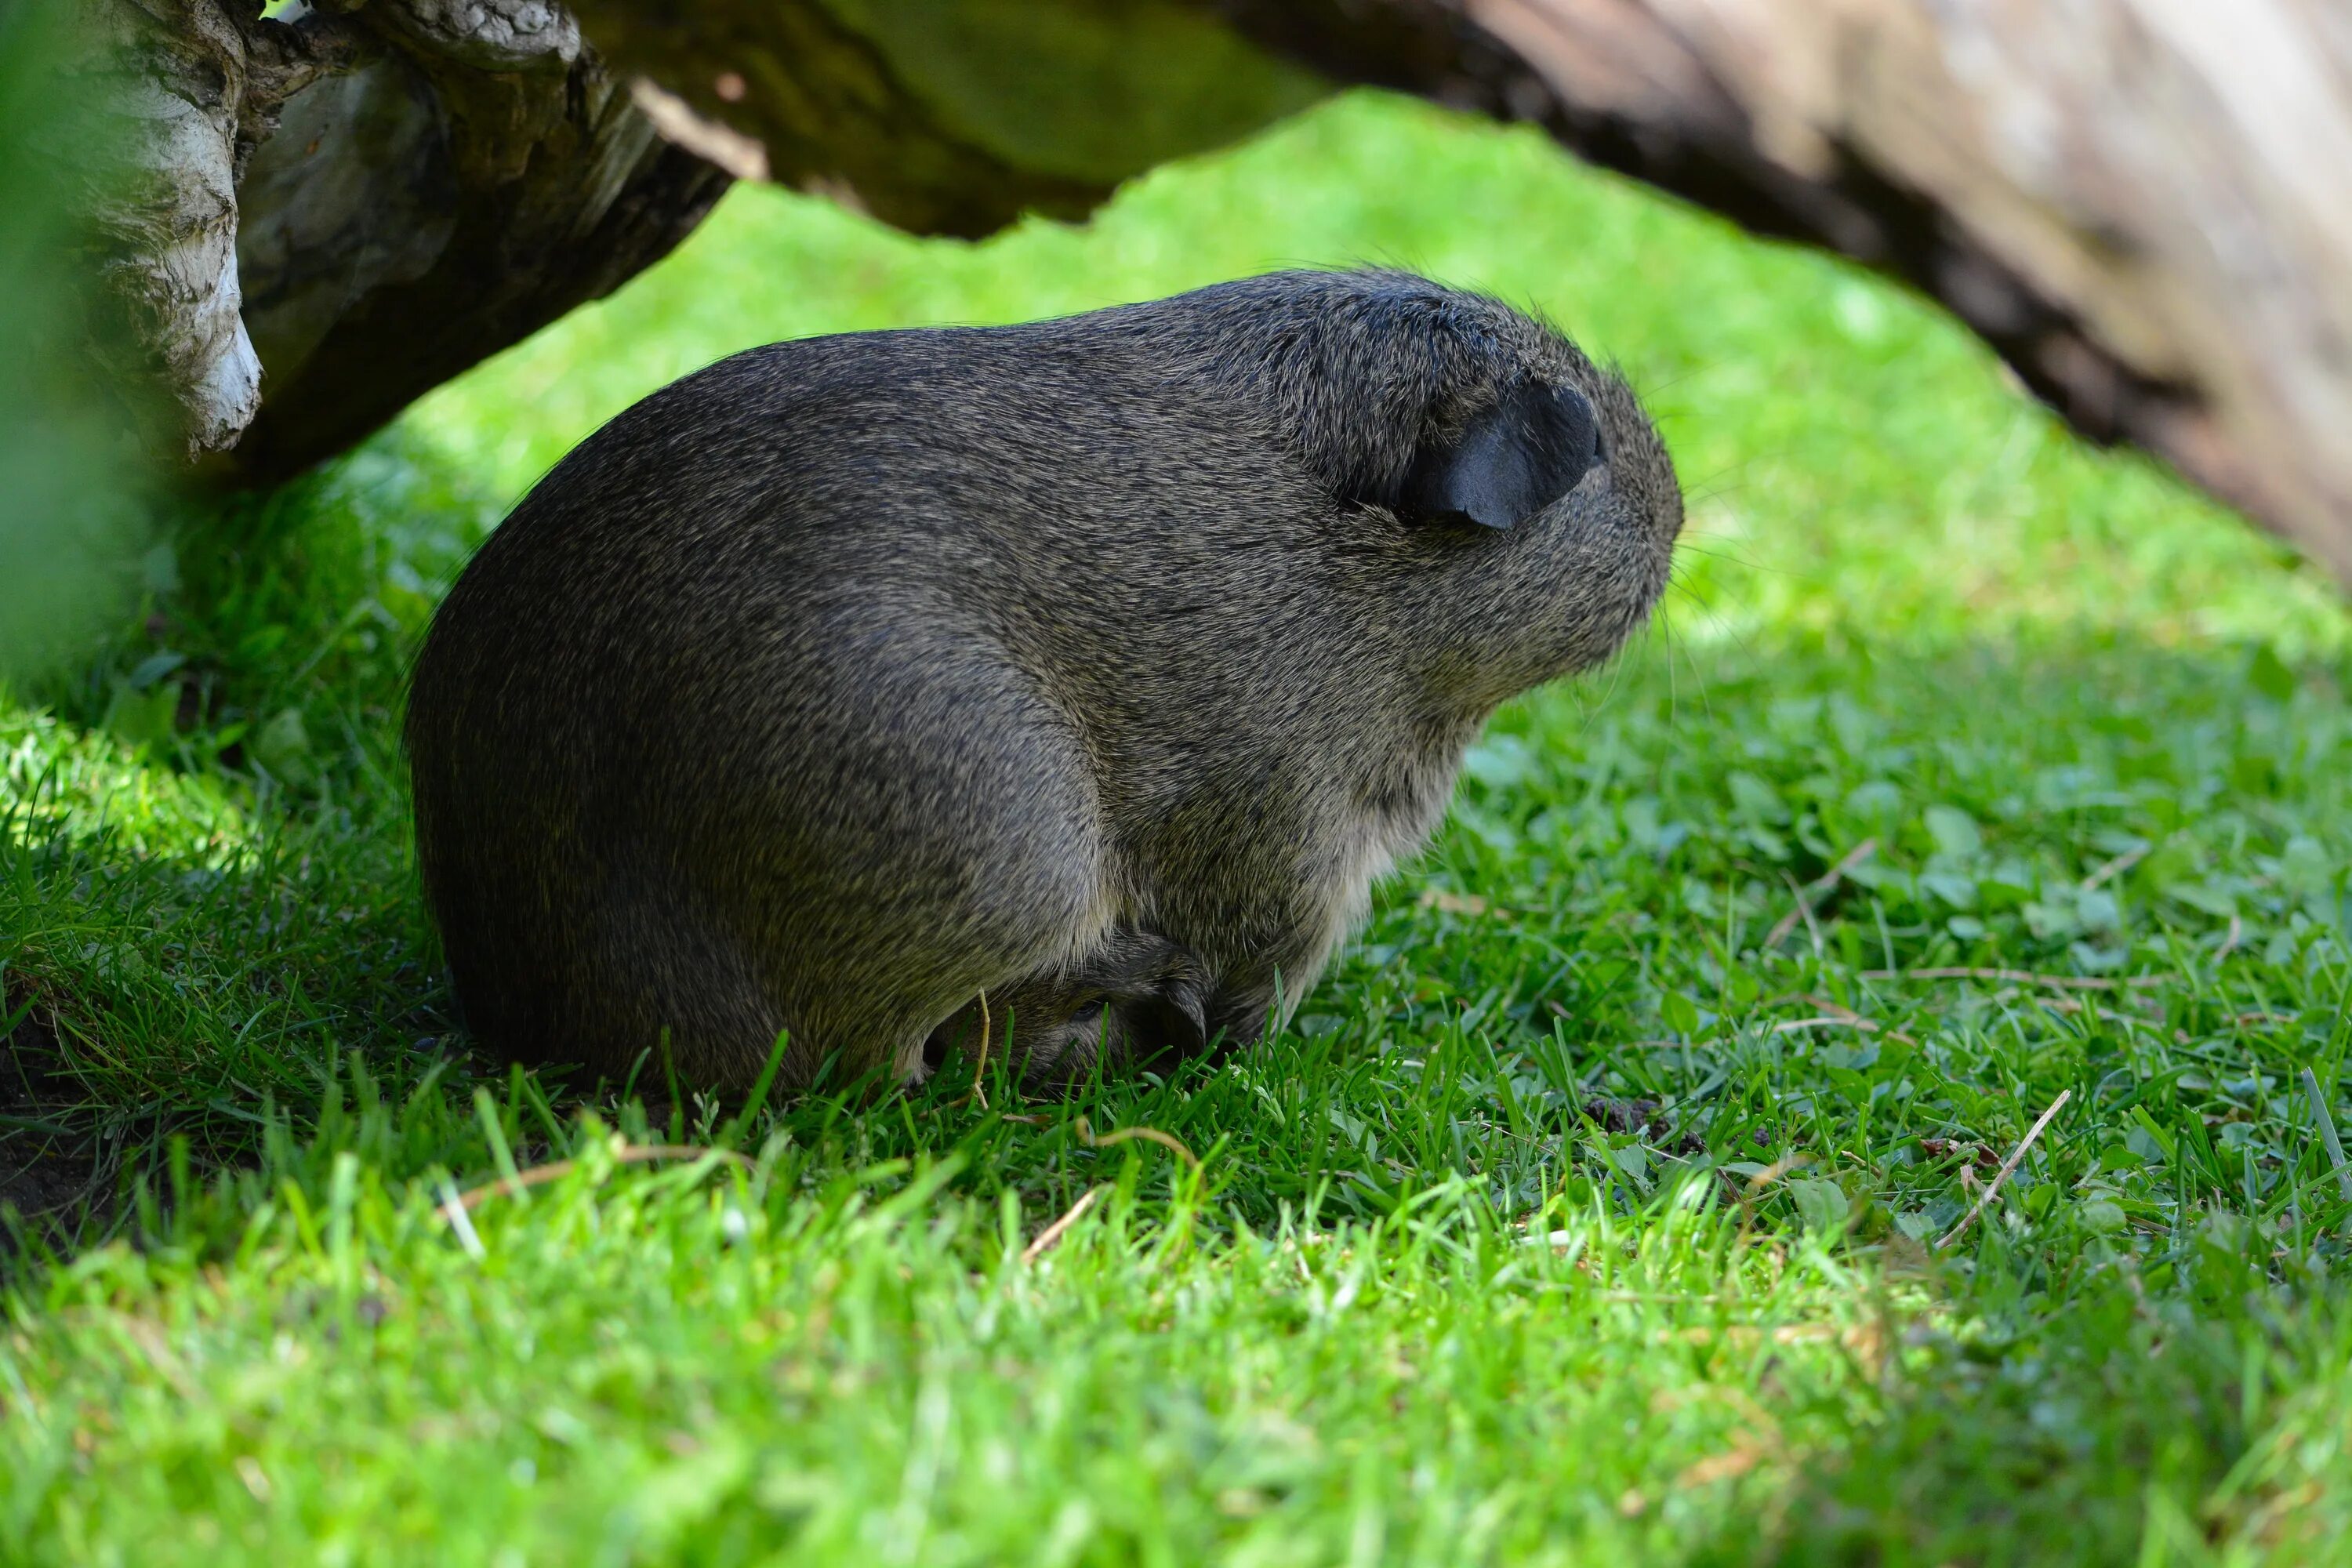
(319, 216)
(2144, 206)
(956, 117)
(306, 222)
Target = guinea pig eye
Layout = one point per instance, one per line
(1511, 461)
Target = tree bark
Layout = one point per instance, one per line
(308, 220)
(957, 116)
(2144, 206)
(304, 222)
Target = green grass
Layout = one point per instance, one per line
(1593, 1209)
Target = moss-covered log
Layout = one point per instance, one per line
(2141, 205)
(309, 218)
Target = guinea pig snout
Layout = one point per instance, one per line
(1627, 450)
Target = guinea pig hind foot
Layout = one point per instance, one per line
(1137, 1002)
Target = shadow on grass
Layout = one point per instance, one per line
(2091, 1420)
(1593, 983)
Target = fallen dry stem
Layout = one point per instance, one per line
(1835, 1015)
(2230, 943)
(2115, 867)
(2017, 977)
(1775, 1170)
(981, 1066)
(2006, 1165)
(1053, 1232)
(627, 1155)
(1168, 1140)
(1747, 1195)
(1820, 888)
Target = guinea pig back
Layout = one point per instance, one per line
(1094, 667)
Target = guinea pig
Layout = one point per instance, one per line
(1088, 671)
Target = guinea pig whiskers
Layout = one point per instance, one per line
(1678, 642)
(1675, 578)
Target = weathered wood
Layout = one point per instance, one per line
(307, 221)
(314, 217)
(957, 116)
(2144, 206)
(472, 174)
(157, 203)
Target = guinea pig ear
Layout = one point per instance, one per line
(1510, 462)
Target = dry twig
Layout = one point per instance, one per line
(627, 1155)
(1168, 1140)
(2017, 977)
(2006, 1165)
(1819, 889)
(2115, 867)
(1746, 1196)
(1836, 1014)
(981, 1066)
(1455, 903)
(1054, 1232)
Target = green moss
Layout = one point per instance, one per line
(1093, 91)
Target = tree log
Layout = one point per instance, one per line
(310, 218)
(304, 222)
(957, 116)
(2144, 206)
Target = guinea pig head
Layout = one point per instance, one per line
(1546, 509)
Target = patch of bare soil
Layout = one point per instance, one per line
(50, 1163)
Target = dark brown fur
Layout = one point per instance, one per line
(1097, 666)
